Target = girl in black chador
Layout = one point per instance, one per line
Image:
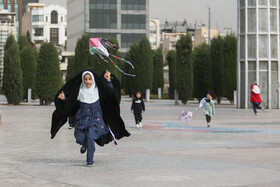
(95, 106)
(137, 107)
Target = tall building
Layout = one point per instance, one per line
(201, 35)
(13, 6)
(25, 2)
(258, 51)
(46, 23)
(125, 20)
(7, 26)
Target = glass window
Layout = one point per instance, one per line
(1, 1)
(273, 20)
(263, 2)
(128, 39)
(54, 17)
(39, 31)
(130, 21)
(252, 26)
(37, 18)
(263, 46)
(133, 4)
(252, 43)
(61, 18)
(274, 47)
(54, 35)
(263, 21)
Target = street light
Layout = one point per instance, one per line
(209, 26)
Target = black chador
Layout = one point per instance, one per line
(109, 101)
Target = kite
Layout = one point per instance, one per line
(186, 116)
(100, 46)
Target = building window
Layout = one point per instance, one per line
(54, 35)
(47, 19)
(37, 18)
(61, 18)
(54, 17)
(129, 39)
(103, 14)
(65, 31)
(39, 31)
(133, 5)
(130, 21)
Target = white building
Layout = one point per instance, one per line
(46, 23)
(258, 51)
(154, 33)
(7, 26)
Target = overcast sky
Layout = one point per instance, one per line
(223, 12)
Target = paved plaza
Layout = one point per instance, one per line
(239, 149)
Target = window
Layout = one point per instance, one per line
(37, 18)
(130, 21)
(54, 35)
(133, 5)
(61, 18)
(65, 31)
(39, 31)
(54, 18)
(129, 39)
(103, 14)
(46, 18)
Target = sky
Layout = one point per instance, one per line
(223, 12)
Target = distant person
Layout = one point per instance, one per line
(208, 106)
(137, 107)
(255, 97)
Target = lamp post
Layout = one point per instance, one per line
(209, 25)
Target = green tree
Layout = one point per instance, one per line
(48, 76)
(230, 56)
(184, 68)
(172, 63)
(28, 66)
(142, 59)
(71, 72)
(83, 58)
(217, 66)
(12, 75)
(22, 42)
(202, 71)
(158, 80)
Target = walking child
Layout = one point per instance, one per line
(95, 111)
(208, 106)
(255, 97)
(137, 107)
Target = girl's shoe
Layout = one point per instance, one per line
(208, 124)
(137, 125)
(83, 149)
(140, 124)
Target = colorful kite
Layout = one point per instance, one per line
(186, 116)
(100, 46)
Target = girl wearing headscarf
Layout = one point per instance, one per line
(96, 114)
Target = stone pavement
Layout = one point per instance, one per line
(239, 149)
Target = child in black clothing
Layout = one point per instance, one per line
(137, 107)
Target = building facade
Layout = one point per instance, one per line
(7, 26)
(125, 20)
(46, 23)
(154, 37)
(258, 51)
(14, 6)
(25, 2)
(201, 35)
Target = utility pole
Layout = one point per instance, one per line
(209, 26)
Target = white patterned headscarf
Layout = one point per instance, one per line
(88, 95)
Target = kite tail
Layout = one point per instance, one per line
(121, 69)
(123, 60)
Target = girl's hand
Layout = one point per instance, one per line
(197, 108)
(61, 96)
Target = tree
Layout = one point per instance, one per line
(28, 66)
(184, 68)
(48, 76)
(12, 76)
(142, 59)
(83, 59)
(217, 66)
(230, 59)
(71, 72)
(171, 58)
(22, 42)
(202, 71)
(158, 80)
